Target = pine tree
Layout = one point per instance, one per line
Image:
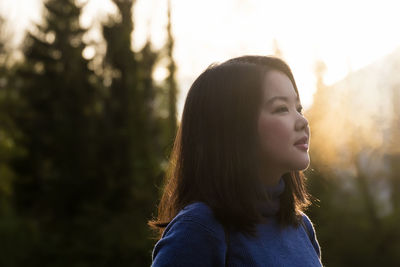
(56, 177)
(92, 153)
(7, 129)
(171, 84)
(131, 145)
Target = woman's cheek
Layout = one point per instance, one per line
(274, 132)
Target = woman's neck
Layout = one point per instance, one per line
(269, 176)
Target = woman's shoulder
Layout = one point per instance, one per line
(311, 229)
(198, 210)
(199, 214)
(308, 222)
(192, 237)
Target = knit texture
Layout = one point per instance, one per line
(195, 238)
(271, 208)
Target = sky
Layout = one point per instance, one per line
(345, 34)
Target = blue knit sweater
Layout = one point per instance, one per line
(195, 238)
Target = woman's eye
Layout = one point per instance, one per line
(280, 109)
(284, 108)
(300, 110)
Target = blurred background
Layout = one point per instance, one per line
(91, 93)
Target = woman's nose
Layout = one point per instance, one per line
(302, 122)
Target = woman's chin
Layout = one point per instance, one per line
(301, 164)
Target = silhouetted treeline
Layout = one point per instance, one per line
(82, 143)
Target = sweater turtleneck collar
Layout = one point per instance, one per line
(271, 208)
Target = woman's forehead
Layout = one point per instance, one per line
(277, 85)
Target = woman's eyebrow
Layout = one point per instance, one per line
(284, 98)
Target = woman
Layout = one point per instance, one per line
(235, 192)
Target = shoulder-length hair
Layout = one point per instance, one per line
(214, 156)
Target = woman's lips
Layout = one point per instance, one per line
(303, 140)
(302, 143)
(302, 146)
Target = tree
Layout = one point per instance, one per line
(132, 144)
(56, 178)
(92, 145)
(171, 84)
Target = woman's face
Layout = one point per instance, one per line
(281, 124)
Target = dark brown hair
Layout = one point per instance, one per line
(214, 157)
